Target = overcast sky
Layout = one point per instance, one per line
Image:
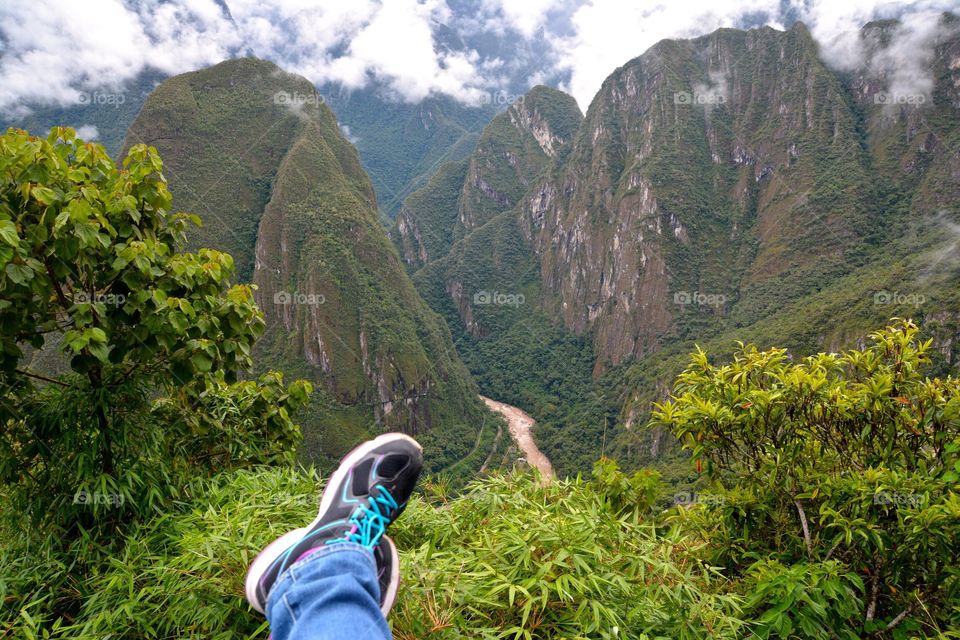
(54, 50)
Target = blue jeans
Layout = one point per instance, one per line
(332, 594)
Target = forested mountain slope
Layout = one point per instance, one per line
(258, 155)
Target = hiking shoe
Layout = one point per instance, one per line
(366, 493)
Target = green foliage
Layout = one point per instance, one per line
(636, 492)
(432, 209)
(155, 341)
(88, 250)
(815, 601)
(219, 426)
(508, 558)
(402, 144)
(517, 559)
(851, 456)
(831, 513)
(179, 574)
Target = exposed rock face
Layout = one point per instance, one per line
(513, 150)
(424, 229)
(712, 182)
(339, 306)
(912, 121)
(697, 178)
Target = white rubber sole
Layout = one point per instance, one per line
(273, 550)
(265, 558)
(391, 595)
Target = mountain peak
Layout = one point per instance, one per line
(258, 155)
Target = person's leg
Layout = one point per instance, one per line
(331, 594)
(341, 571)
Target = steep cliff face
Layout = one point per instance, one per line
(424, 229)
(910, 116)
(705, 175)
(258, 155)
(512, 151)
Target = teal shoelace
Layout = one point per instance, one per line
(370, 522)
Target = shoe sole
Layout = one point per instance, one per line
(290, 538)
(391, 595)
(265, 558)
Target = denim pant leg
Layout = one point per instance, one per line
(332, 594)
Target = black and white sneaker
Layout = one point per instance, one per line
(366, 493)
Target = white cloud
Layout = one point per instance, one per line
(525, 17)
(397, 45)
(87, 132)
(51, 52)
(54, 52)
(345, 130)
(608, 33)
(906, 61)
(836, 25)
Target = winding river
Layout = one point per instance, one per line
(521, 429)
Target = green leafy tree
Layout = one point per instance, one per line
(849, 458)
(89, 266)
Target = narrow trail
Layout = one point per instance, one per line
(521, 429)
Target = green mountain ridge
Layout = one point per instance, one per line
(260, 157)
(402, 144)
(513, 149)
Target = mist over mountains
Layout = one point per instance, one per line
(413, 83)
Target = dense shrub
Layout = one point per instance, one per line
(850, 457)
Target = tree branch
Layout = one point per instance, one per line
(40, 377)
(832, 549)
(900, 616)
(56, 285)
(806, 529)
(874, 592)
